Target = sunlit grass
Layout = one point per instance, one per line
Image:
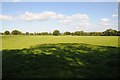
(19, 42)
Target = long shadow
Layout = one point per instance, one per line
(63, 60)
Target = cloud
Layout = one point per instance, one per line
(6, 17)
(115, 15)
(76, 20)
(41, 16)
(46, 15)
(104, 22)
(16, 0)
(65, 21)
(79, 18)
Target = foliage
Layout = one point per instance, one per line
(44, 33)
(31, 34)
(67, 33)
(16, 32)
(108, 32)
(79, 33)
(7, 32)
(27, 33)
(56, 32)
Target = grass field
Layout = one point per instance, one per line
(19, 42)
(60, 57)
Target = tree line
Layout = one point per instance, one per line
(108, 32)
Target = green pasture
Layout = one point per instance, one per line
(60, 57)
(63, 60)
(19, 42)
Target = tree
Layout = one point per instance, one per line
(27, 33)
(44, 33)
(56, 32)
(50, 33)
(67, 33)
(1, 33)
(118, 33)
(6, 32)
(31, 33)
(79, 33)
(115, 32)
(39, 33)
(110, 32)
(16, 32)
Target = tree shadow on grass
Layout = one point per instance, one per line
(63, 60)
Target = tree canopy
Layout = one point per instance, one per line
(56, 32)
(7, 32)
(108, 32)
(16, 32)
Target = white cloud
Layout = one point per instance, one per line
(77, 21)
(6, 17)
(75, 18)
(41, 16)
(105, 22)
(115, 15)
(65, 21)
(52, 15)
(80, 16)
(16, 0)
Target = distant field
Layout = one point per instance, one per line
(19, 42)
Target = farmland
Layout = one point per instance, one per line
(60, 56)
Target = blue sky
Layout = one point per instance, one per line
(59, 0)
(64, 16)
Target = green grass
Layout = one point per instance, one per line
(19, 42)
(60, 57)
(65, 60)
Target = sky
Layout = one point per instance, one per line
(63, 16)
(59, 0)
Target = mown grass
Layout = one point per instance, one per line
(63, 60)
(60, 56)
(19, 42)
